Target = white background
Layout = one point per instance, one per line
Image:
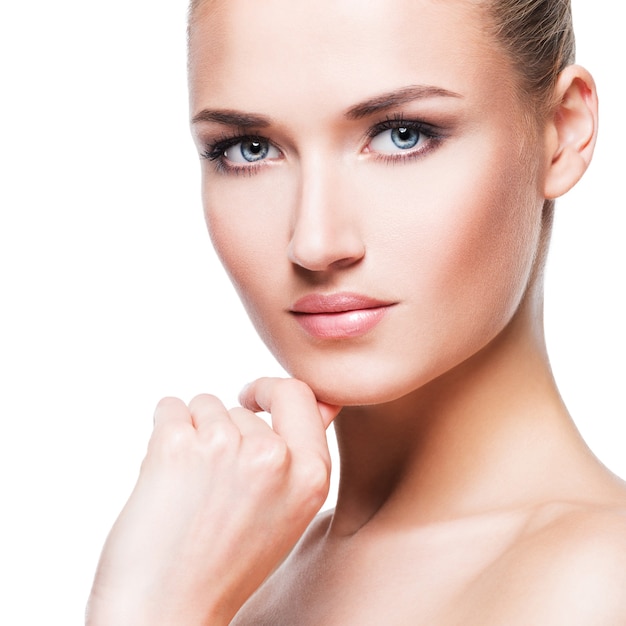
(112, 298)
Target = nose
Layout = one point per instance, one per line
(326, 233)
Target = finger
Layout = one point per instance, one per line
(328, 412)
(206, 410)
(170, 410)
(248, 423)
(294, 410)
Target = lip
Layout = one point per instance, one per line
(339, 315)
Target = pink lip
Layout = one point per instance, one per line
(340, 315)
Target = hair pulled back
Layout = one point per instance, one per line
(538, 37)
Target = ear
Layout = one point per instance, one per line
(571, 130)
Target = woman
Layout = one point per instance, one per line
(378, 180)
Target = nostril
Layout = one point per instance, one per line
(347, 261)
(318, 253)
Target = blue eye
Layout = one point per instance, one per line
(405, 138)
(250, 151)
(393, 140)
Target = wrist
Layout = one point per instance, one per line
(132, 611)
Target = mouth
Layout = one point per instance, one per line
(340, 315)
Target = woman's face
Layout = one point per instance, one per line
(368, 182)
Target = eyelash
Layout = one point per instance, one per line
(215, 151)
(431, 134)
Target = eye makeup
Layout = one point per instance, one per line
(394, 139)
(253, 151)
(398, 139)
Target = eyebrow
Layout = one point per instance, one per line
(368, 107)
(395, 98)
(232, 118)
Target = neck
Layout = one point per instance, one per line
(493, 433)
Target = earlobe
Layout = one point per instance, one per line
(571, 131)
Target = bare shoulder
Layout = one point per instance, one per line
(584, 544)
(568, 566)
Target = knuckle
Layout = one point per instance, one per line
(221, 437)
(169, 409)
(169, 402)
(171, 439)
(269, 454)
(201, 400)
(314, 479)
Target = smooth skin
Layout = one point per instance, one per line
(221, 498)
(467, 495)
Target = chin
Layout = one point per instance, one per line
(362, 379)
(357, 386)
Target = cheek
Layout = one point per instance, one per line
(464, 231)
(246, 221)
(494, 241)
(473, 215)
(486, 242)
(242, 215)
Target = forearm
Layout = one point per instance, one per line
(129, 610)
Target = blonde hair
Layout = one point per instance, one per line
(538, 37)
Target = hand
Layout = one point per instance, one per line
(221, 499)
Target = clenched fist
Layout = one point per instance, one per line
(221, 499)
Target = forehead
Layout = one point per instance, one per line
(336, 50)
